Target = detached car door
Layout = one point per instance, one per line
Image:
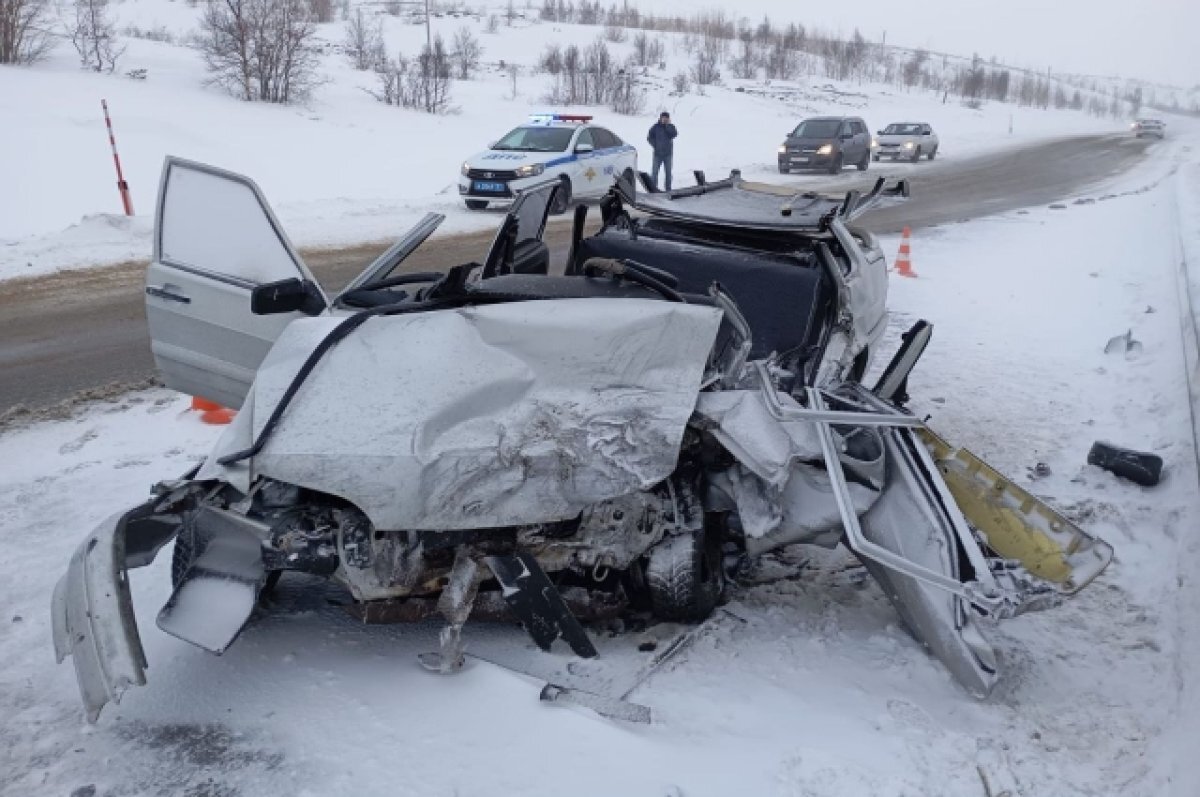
(215, 241)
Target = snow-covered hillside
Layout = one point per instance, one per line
(344, 168)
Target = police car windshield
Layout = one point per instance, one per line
(902, 130)
(537, 139)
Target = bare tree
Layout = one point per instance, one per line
(24, 33)
(260, 50)
(745, 66)
(628, 98)
(681, 83)
(467, 53)
(704, 68)
(390, 76)
(322, 10)
(422, 84)
(551, 61)
(510, 13)
(913, 68)
(93, 36)
(781, 63)
(493, 23)
(614, 33)
(364, 41)
(428, 86)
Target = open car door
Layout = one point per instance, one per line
(215, 241)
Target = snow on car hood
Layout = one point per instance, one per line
(478, 417)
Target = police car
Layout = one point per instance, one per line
(587, 158)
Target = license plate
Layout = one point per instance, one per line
(490, 188)
(800, 160)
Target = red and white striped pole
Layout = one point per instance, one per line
(122, 186)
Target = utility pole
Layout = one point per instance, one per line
(428, 33)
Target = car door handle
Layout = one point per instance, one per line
(163, 293)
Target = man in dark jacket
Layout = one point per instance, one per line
(662, 140)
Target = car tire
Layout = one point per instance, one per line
(784, 170)
(684, 576)
(932, 152)
(865, 163)
(629, 177)
(562, 198)
(875, 158)
(916, 155)
(836, 166)
(477, 204)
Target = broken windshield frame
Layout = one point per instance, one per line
(382, 266)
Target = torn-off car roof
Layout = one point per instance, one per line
(735, 202)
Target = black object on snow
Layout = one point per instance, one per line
(1136, 466)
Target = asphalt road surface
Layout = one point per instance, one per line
(85, 331)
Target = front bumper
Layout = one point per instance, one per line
(893, 152)
(92, 612)
(795, 161)
(504, 190)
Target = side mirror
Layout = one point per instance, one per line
(286, 296)
(583, 148)
(879, 132)
(846, 136)
(927, 133)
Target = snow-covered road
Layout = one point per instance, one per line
(807, 685)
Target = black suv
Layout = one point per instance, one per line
(826, 142)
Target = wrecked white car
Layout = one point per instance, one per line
(494, 438)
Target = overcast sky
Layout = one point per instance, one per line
(1154, 39)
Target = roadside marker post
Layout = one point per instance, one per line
(122, 186)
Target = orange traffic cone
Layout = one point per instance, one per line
(903, 262)
(211, 412)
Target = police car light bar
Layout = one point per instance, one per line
(547, 118)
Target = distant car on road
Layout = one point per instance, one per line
(585, 157)
(1150, 127)
(826, 142)
(907, 140)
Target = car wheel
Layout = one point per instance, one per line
(875, 158)
(836, 166)
(784, 170)
(629, 177)
(562, 197)
(932, 152)
(916, 155)
(684, 576)
(477, 204)
(865, 163)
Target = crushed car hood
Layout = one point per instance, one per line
(480, 417)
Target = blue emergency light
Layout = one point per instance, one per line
(550, 118)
